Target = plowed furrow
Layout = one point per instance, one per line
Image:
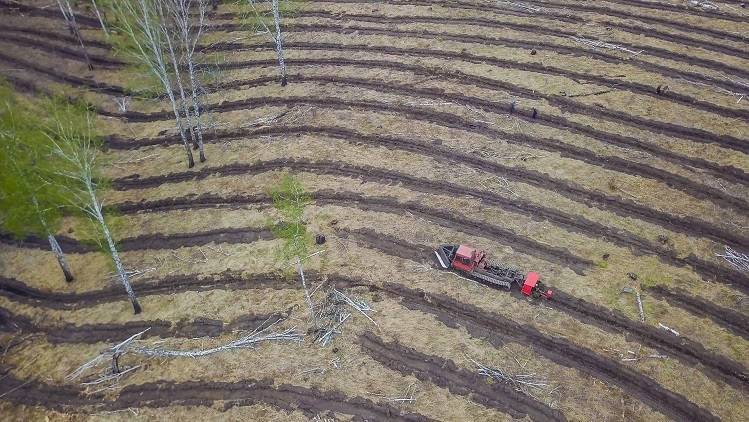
(222, 395)
(48, 35)
(446, 374)
(149, 241)
(570, 222)
(557, 48)
(498, 330)
(21, 293)
(562, 14)
(108, 333)
(564, 103)
(505, 24)
(14, 7)
(453, 121)
(733, 321)
(687, 9)
(61, 77)
(630, 86)
(620, 206)
(685, 350)
(526, 114)
(58, 50)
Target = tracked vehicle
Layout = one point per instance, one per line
(472, 263)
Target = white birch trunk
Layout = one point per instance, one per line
(69, 16)
(124, 279)
(279, 40)
(101, 19)
(60, 257)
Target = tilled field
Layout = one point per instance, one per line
(411, 123)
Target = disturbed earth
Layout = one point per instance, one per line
(602, 144)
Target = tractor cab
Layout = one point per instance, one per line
(532, 286)
(468, 259)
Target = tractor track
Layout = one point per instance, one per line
(64, 52)
(714, 46)
(453, 121)
(18, 291)
(557, 48)
(573, 223)
(310, 401)
(726, 172)
(61, 77)
(499, 330)
(557, 15)
(149, 241)
(112, 332)
(52, 12)
(689, 352)
(560, 256)
(632, 87)
(48, 35)
(446, 374)
(566, 104)
(620, 206)
(733, 321)
(531, 29)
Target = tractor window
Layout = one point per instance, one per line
(466, 261)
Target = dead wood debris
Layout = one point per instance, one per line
(331, 313)
(104, 372)
(528, 383)
(595, 44)
(738, 260)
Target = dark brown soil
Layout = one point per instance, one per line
(446, 374)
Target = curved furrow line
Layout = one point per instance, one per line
(733, 321)
(148, 241)
(650, 19)
(557, 255)
(589, 313)
(453, 121)
(623, 207)
(556, 14)
(669, 129)
(224, 395)
(528, 115)
(11, 7)
(48, 35)
(484, 22)
(573, 223)
(19, 292)
(687, 351)
(65, 52)
(446, 374)
(114, 332)
(57, 76)
(633, 87)
(685, 9)
(498, 330)
(638, 30)
(557, 48)
(563, 103)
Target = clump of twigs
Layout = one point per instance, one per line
(738, 260)
(331, 313)
(105, 372)
(528, 383)
(595, 44)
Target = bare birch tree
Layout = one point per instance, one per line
(69, 16)
(100, 17)
(189, 27)
(142, 22)
(275, 35)
(75, 150)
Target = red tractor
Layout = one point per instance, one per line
(472, 263)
